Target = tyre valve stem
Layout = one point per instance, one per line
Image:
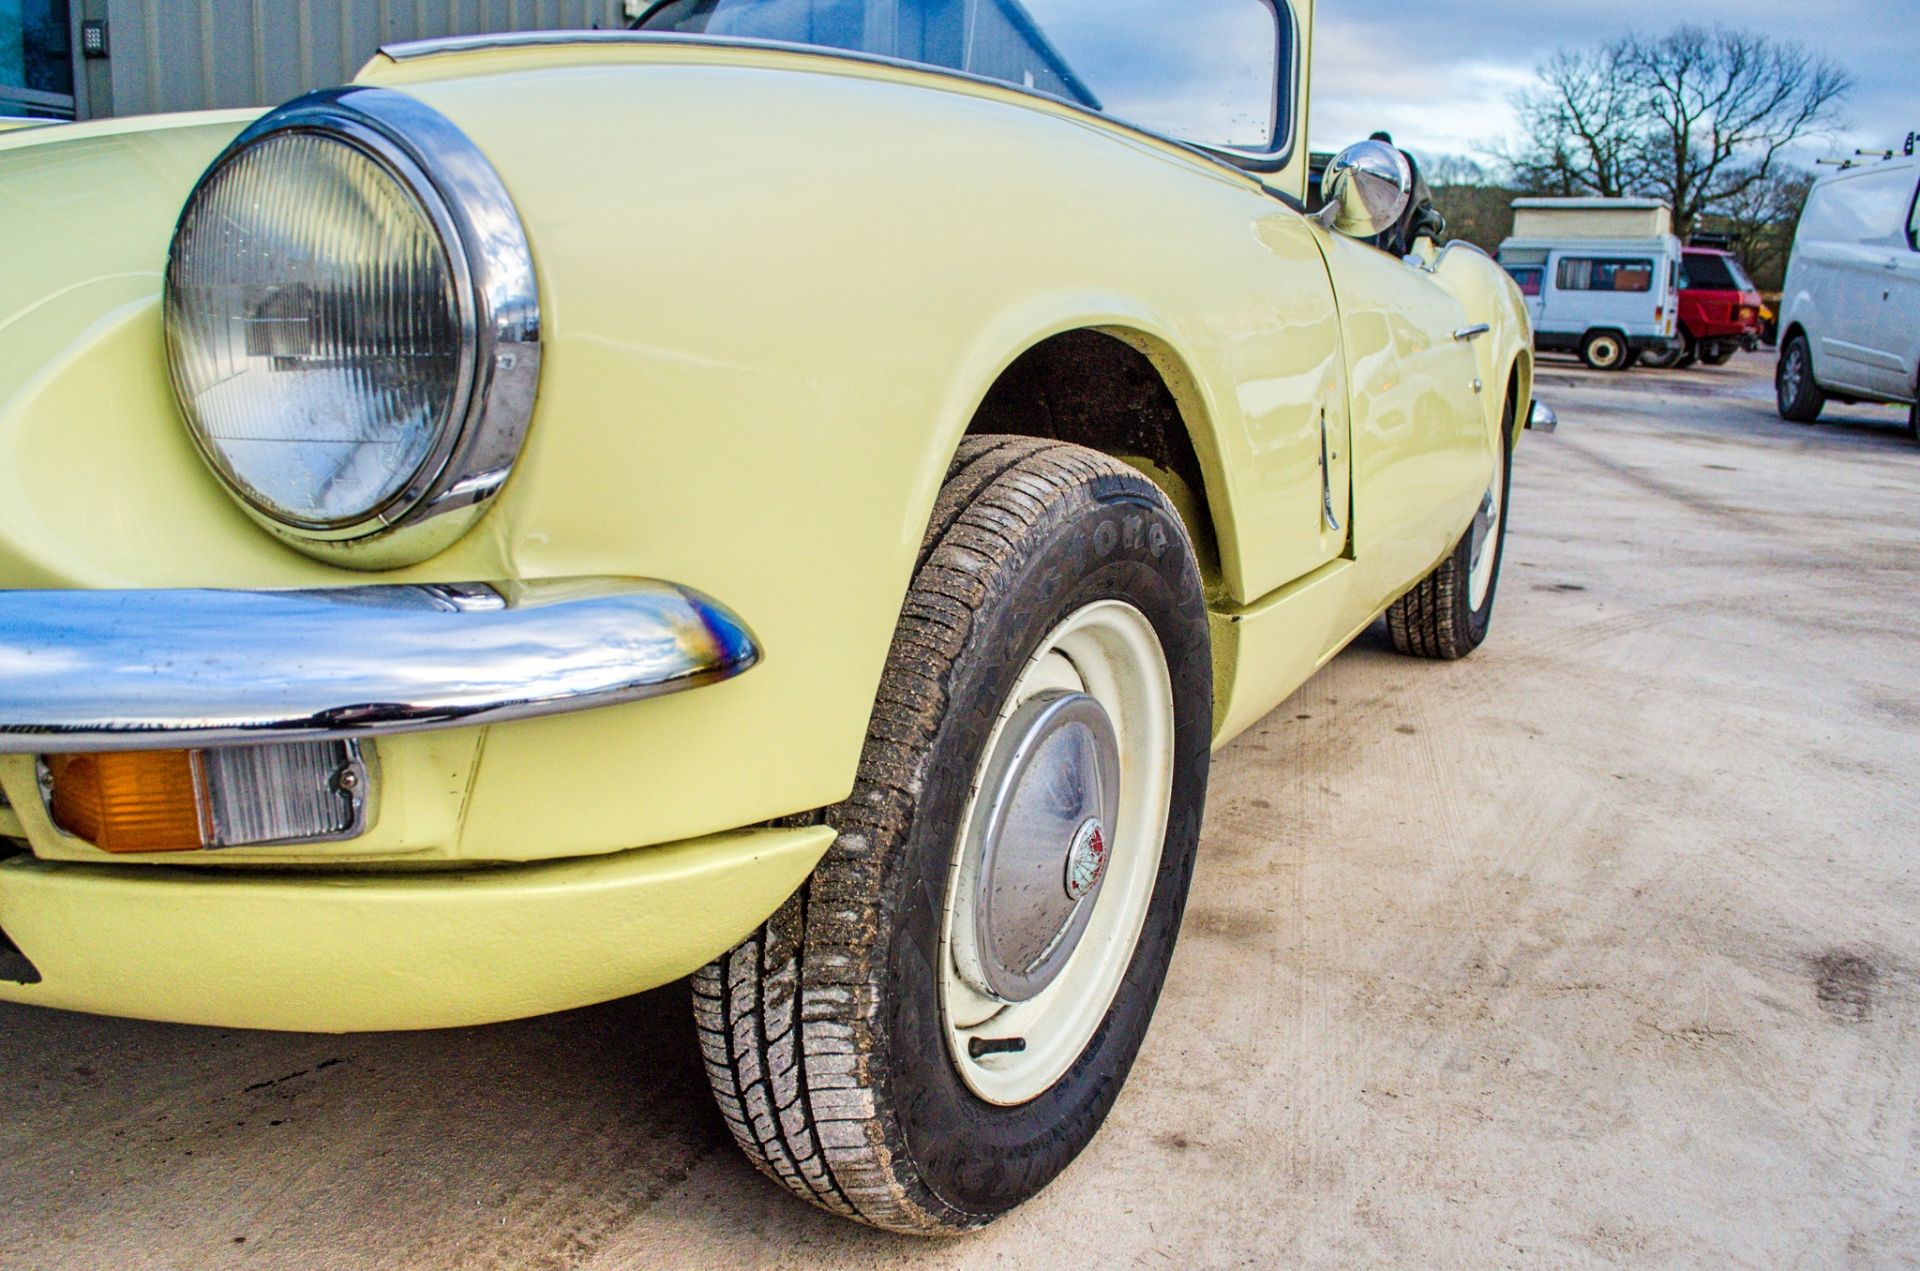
(981, 1047)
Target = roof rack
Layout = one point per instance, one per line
(1859, 157)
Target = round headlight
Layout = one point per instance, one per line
(351, 354)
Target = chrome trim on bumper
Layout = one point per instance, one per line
(145, 670)
(1540, 416)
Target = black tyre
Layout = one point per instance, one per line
(1797, 396)
(833, 1035)
(1718, 354)
(1605, 351)
(1913, 419)
(1662, 359)
(1447, 614)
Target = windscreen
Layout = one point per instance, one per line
(1206, 71)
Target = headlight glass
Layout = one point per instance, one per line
(317, 333)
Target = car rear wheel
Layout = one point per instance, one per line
(1662, 359)
(1605, 351)
(1913, 420)
(1718, 354)
(1447, 614)
(1796, 395)
(938, 1022)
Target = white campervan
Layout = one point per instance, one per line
(1850, 316)
(1601, 277)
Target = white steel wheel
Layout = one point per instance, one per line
(1485, 533)
(1057, 856)
(939, 1021)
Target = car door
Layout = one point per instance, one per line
(1421, 446)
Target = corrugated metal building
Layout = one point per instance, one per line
(88, 58)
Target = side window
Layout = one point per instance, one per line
(1580, 273)
(1913, 223)
(1530, 278)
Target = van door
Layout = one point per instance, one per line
(1854, 250)
(1897, 325)
(1528, 268)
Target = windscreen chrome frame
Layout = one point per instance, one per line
(1287, 77)
(497, 309)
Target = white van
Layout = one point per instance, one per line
(1850, 316)
(1601, 277)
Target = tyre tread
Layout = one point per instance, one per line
(789, 1021)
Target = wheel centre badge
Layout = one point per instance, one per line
(1086, 859)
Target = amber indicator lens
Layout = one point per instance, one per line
(236, 796)
(140, 801)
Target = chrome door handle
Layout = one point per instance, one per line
(1473, 332)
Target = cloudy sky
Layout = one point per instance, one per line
(1438, 74)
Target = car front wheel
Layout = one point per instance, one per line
(938, 1022)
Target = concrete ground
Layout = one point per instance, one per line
(1600, 947)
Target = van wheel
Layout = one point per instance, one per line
(1605, 351)
(937, 1023)
(1799, 399)
(1913, 420)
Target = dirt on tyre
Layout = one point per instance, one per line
(1606, 351)
(937, 1023)
(1448, 613)
(1796, 395)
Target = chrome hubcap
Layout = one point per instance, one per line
(1055, 862)
(1036, 857)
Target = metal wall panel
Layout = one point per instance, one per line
(203, 54)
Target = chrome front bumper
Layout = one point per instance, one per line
(135, 670)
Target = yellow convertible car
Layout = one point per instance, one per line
(792, 494)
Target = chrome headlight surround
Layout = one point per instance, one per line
(497, 308)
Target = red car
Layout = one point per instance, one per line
(1719, 310)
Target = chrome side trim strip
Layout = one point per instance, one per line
(149, 670)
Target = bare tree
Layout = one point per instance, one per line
(1719, 107)
(1759, 223)
(1698, 118)
(1581, 125)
